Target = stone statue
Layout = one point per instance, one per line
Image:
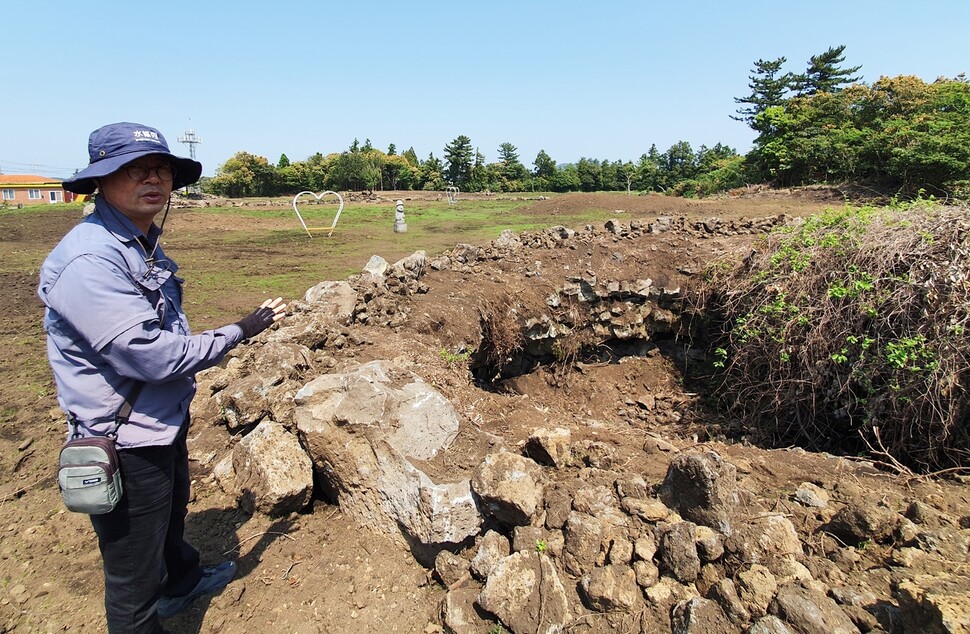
(399, 225)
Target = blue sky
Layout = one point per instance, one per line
(601, 79)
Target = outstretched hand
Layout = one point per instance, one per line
(279, 308)
(268, 313)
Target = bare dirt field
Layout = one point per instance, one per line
(318, 571)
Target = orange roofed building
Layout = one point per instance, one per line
(30, 189)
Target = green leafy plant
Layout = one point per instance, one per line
(455, 357)
(720, 357)
(911, 353)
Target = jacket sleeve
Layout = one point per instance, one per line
(147, 353)
(105, 306)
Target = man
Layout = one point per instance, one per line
(115, 323)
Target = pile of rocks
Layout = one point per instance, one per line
(693, 554)
(557, 534)
(560, 534)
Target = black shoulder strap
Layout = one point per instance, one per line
(122, 416)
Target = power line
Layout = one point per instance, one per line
(8, 167)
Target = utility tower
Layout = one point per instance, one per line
(190, 139)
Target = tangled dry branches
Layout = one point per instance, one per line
(850, 322)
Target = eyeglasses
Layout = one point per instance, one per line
(156, 267)
(140, 172)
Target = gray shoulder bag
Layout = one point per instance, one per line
(89, 474)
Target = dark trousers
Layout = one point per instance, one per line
(142, 539)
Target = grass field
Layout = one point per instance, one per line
(265, 252)
(234, 257)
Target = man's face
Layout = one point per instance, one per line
(139, 199)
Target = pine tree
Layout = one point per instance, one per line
(769, 87)
(824, 73)
(458, 156)
(510, 166)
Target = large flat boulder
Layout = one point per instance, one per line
(362, 428)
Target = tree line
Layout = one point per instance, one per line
(822, 125)
(363, 167)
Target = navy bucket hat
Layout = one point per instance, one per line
(115, 145)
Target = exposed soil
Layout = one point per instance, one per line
(317, 571)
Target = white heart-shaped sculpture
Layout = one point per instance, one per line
(319, 196)
(452, 193)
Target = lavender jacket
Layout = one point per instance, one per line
(112, 321)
